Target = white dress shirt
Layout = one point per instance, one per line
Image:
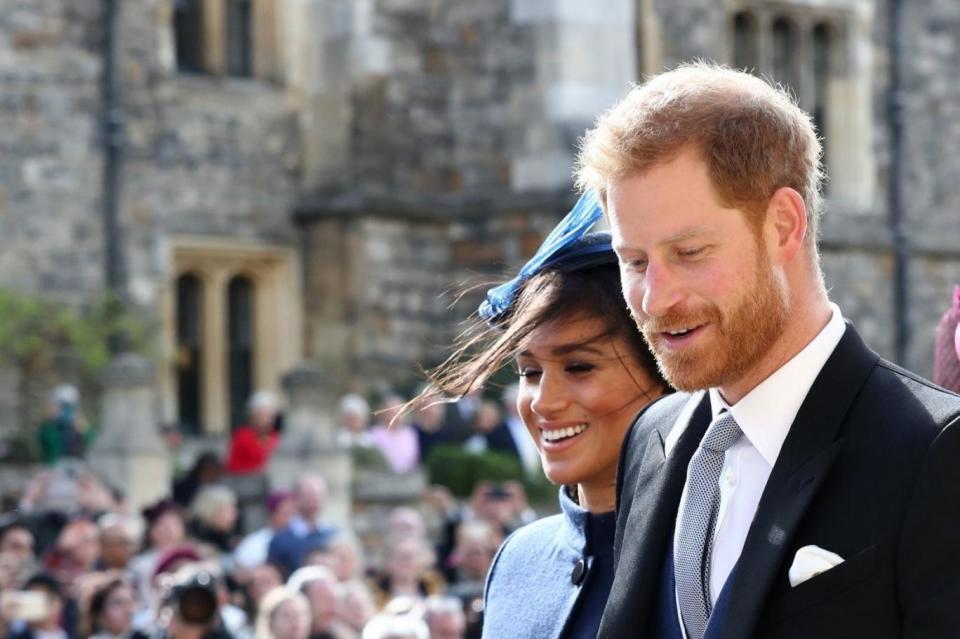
(765, 415)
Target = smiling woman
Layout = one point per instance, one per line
(585, 372)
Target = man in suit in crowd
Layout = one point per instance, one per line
(799, 486)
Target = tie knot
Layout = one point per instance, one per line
(722, 433)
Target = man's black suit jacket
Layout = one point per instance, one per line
(870, 470)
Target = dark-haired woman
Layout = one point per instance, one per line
(585, 373)
(111, 612)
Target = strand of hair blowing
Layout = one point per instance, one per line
(946, 354)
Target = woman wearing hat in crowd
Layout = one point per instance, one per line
(585, 373)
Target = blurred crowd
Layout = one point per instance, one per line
(76, 561)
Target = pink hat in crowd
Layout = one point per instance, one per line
(946, 355)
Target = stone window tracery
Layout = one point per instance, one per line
(817, 51)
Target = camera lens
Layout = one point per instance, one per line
(197, 601)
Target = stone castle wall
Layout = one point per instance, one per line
(416, 146)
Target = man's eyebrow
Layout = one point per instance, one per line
(685, 235)
(681, 236)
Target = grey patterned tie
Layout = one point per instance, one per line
(691, 555)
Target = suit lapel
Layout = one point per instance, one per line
(656, 495)
(807, 455)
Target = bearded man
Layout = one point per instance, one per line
(801, 486)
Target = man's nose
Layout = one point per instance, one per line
(661, 290)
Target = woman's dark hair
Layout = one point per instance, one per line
(482, 350)
(98, 603)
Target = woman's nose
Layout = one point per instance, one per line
(551, 395)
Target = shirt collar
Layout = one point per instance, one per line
(766, 413)
(301, 527)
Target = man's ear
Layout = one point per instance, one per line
(785, 227)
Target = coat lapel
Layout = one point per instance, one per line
(805, 460)
(655, 497)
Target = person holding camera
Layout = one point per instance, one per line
(36, 611)
(191, 608)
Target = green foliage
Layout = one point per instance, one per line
(460, 470)
(35, 332)
(48, 341)
(370, 459)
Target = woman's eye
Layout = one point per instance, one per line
(579, 369)
(528, 372)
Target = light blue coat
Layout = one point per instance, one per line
(529, 590)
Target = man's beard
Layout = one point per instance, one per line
(742, 336)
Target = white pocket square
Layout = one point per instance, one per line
(809, 562)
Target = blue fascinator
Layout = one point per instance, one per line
(569, 247)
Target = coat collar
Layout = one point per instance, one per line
(807, 455)
(654, 500)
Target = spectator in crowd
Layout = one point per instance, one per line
(526, 449)
(459, 415)
(45, 621)
(206, 470)
(486, 421)
(493, 503)
(946, 351)
(165, 529)
(477, 543)
(69, 489)
(307, 528)
(285, 614)
(356, 606)
(354, 419)
(17, 558)
(403, 619)
(119, 535)
(76, 552)
(16, 540)
(405, 521)
(444, 617)
(111, 612)
(64, 433)
(261, 580)
(172, 437)
(494, 434)
(252, 550)
(253, 443)
(192, 603)
(214, 517)
(322, 590)
(322, 555)
(428, 422)
(347, 551)
(409, 572)
(395, 436)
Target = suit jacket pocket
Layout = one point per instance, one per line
(826, 585)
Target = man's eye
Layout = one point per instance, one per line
(691, 252)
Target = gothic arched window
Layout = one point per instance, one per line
(240, 345)
(822, 64)
(189, 354)
(745, 53)
(188, 35)
(240, 38)
(784, 52)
